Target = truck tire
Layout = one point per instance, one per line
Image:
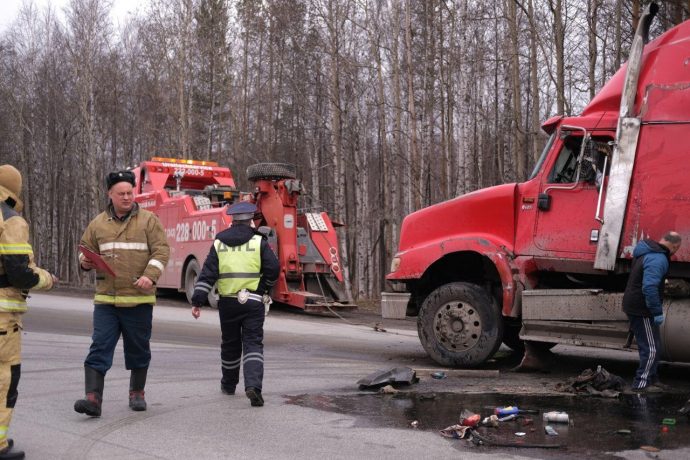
(271, 171)
(190, 276)
(191, 273)
(460, 325)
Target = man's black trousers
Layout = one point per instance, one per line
(242, 327)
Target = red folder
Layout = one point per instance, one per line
(97, 260)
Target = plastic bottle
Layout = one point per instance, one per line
(555, 416)
(508, 410)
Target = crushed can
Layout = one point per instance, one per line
(556, 417)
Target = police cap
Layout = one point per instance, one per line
(242, 210)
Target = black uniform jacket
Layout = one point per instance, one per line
(238, 235)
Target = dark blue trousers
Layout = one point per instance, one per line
(649, 346)
(109, 322)
(242, 328)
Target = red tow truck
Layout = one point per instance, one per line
(546, 260)
(191, 197)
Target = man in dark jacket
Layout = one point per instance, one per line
(643, 303)
(245, 269)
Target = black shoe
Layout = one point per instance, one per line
(136, 400)
(10, 453)
(254, 396)
(648, 389)
(227, 390)
(91, 405)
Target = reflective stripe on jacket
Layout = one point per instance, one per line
(239, 267)
(133, 247)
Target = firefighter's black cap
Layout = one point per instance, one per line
(119, 176)
(243, 210)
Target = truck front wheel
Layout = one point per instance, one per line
(460, 325)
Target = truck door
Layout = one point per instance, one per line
(569, 194)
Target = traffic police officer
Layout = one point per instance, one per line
(18, 274)
(244, 268)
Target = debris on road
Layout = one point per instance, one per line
(379, 378)
(438, 375)
(555, 416)
(469, 373)
(414, 424)
(388, 390)
(597, 382)
(550, 431)
(491, 421)
(379, 328)
(509, 410)
(685, 410)
(455, 431)
(469, 418)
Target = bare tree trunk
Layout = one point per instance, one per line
(534, 84)
(519, 152)
(556, 7)
(414, 161)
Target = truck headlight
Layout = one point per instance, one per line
(395, 264)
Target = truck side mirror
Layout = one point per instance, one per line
(544, 202)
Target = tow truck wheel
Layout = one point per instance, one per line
(460, 325)
(190, 276)
(272, 171)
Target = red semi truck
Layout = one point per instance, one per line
(190, 198)
(546, 260)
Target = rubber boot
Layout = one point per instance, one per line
(10, 452)
(537, 358)
(137, 381)
(93, 384)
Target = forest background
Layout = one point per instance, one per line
(385, 106)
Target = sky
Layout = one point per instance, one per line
(120, 11)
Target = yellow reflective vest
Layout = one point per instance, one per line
(239, 267)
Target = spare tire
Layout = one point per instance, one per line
(271, 171)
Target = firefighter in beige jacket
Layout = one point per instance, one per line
(133, 244)
(18, 274)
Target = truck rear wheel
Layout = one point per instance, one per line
(190, 276)
(460, 325)
(272, 171)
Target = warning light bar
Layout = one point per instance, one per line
(184, 162)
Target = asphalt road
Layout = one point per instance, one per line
(313, 406)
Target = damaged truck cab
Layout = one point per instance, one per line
(546, 260)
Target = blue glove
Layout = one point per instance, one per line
(659, 319)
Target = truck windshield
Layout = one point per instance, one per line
(543, 155)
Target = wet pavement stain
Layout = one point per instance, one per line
(593, 430)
